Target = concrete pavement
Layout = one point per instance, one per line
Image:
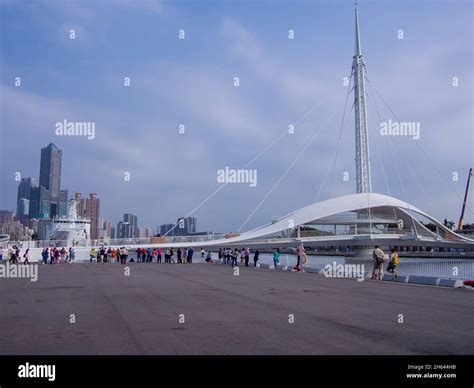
(205, 309)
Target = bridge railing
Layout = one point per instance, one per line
(112, 242)
(443, 268)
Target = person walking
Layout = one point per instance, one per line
(203, 255)
(45, 255)
(247, 256)
(220, 255)
(17, 256)
(255, 257)
(72, 255)
(11, 255)
(392, 264)
(63, 255)
(185, 256)
(179, 254)
(92, 254)
(120, 255)
(57, 256)
(160, 254)
(234, 256)
(276, 257)
(378, 257)
(26, 257)
(298, 258)
(190, 255)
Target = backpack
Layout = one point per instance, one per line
(395, 259)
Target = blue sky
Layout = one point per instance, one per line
(190, 82)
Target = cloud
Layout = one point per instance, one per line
(137, 129)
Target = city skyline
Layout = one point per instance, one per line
(281, 80)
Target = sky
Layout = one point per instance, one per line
(419, 61)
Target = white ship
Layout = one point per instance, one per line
(71, 230)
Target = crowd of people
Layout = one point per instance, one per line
(170, 255)
(55, 255)
(234, 257)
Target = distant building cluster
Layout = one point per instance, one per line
(14, 228)
(184, 226)
(39, 203)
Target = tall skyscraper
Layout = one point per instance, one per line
(190, 224)
(132, 221)
(50, 169)
(107, 228)
(80, 205)
(167, 228)
(23, 199)
(24, 190)
(93, 214)
(125, 230)
(48, 200)
(185, 226)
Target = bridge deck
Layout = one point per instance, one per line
(226, 314)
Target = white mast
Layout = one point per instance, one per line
(364, 184)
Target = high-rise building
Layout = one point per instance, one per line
(15, 230)
(50, 169)
(132, 221)
(105, 229)
(48, 200)
(112, 233)
(185, 226)
(24, 192)
(125, 230)
(107, 226)
(80, 205)
(6, 216)
(190, 224)
(93, 214)
(167, 229)
(149, 232)
(141, 232)
(22, 212)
